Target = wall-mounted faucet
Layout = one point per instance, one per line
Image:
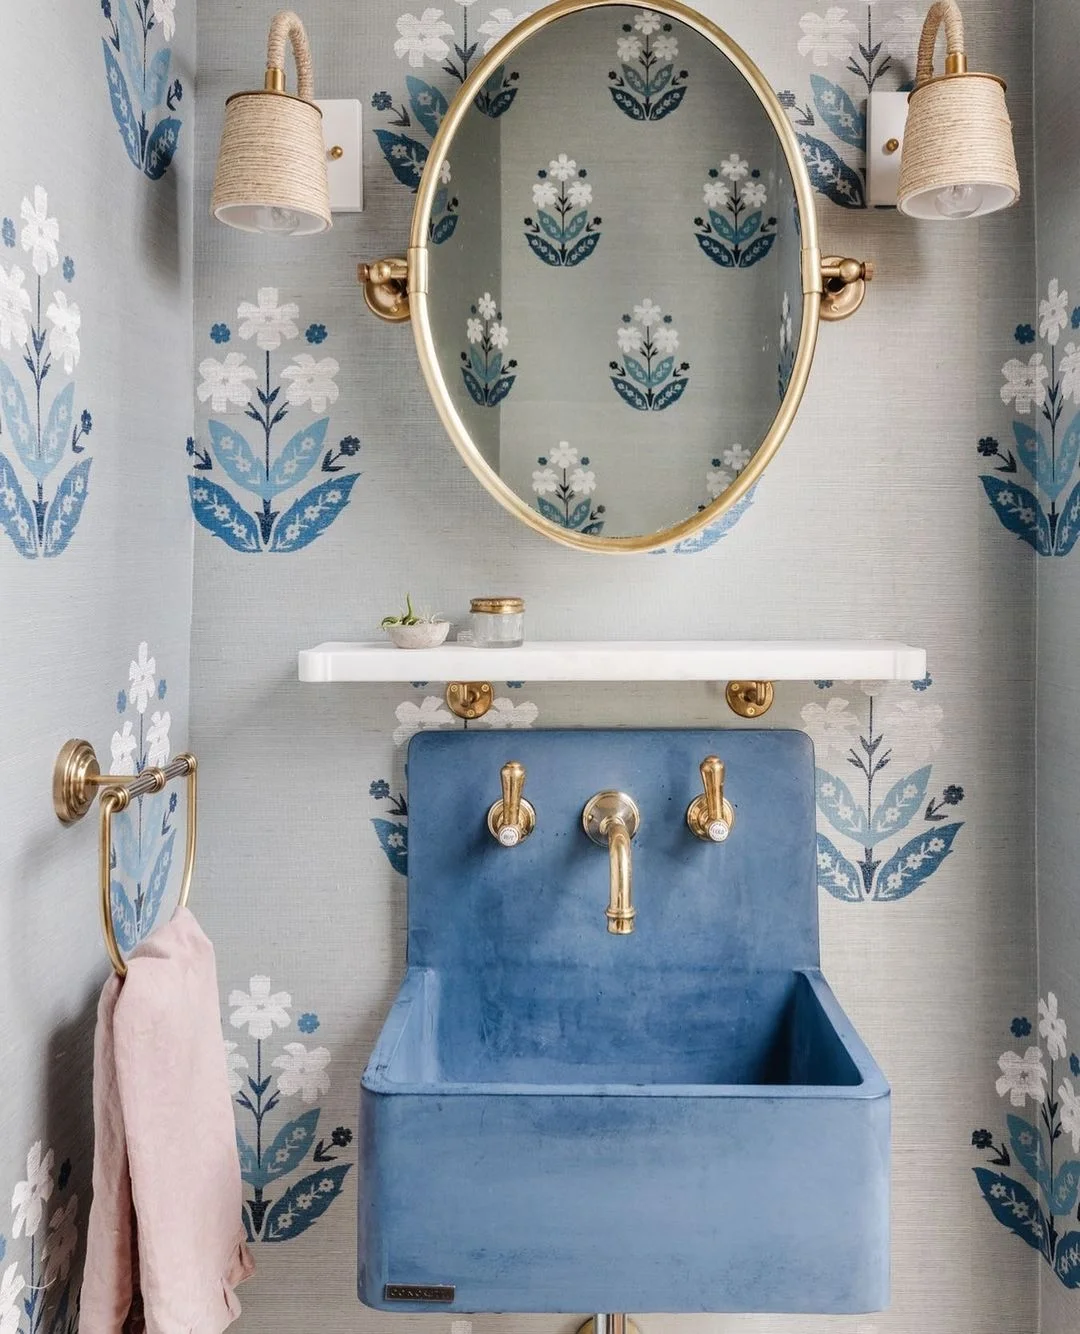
(612, 818)
(512, 819)
(711, 816)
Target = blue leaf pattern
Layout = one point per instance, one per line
(238, 459)
(838, 112)
(219, 514)
(57, 432)
(839, 806)
(289, 1147)
(155, 889)
(1069, 527)
(304, 1202)
(66, 507)
(147, 83)
(298, 457)
(406, 157)
(17, 417)
(428, 104)
(713, 532)
(161, 147)
(836, 875)
(394, 840)
(16, 516)
(910, 865)
(1065, 1188)
(901, 804)
(1067, 1260)
(125, 926)
(830, 175)
(312, 514)
(121, 107)
(1026, 1142)
(1019, 510)
(1014, 1206)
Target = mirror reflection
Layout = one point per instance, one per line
(614, 284)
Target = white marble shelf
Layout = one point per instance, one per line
(612, 660)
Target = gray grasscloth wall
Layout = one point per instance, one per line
(95, 562)
(1057, 116)
(871, 522)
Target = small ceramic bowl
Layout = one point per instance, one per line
(429, 634)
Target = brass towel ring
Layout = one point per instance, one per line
(76, 780)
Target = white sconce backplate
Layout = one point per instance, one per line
(886, 121)
(344, 168)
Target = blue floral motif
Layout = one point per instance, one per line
(315, 333)
(68, 269)
(40, 1288)
(737, 233)
(648, 378)
(7, 231)
(220, 333)
(281, 1205)
(893, 862)
(646, 86)
(562, 234)
(144, 835)
(149, 140)
(44, 336)
(1046, 454)
(569, 482)
(276, 467)
(487, 376)
(1042, 1210)
(393, 833)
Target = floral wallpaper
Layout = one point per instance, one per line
(141, 47)
(39, 338)
(39, 1262)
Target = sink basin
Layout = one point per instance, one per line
(559, 1119)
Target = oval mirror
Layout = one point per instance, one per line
(613, 273)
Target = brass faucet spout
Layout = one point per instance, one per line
(612, 818)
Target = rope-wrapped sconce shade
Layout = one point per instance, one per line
(271, 168)
(958, 159)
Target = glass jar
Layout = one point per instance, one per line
(498, 622)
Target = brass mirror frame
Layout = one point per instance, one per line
(417, 270)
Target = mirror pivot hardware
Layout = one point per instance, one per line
(386, 288)
(749, 699)
(843, 284)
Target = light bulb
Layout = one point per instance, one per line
(280, 221)
(959, 201)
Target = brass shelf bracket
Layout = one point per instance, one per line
(469, 699)
(749, 699)
(386, 288)
(843, 284)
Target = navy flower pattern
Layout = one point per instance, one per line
(137, 63)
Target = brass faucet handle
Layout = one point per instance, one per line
(512, 819)
(711, 816)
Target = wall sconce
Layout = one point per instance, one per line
(944, 152)
(271, 168)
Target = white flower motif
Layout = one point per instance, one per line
(444, 165)
(1052, 1027)
(544, 481)
(833, 728)
(628, 48)
(29, 1197)
(63, 1236)
(474, 329)
(666, 338)
(499, 24)
(268, 323)
(734, 167)
(40, 233)
(311, 381)
(499, 336)
(1022, 1077)
(630, 337)
(648, 313)
(579, 193)
(902, 33)
(14, 306)
(163, 12)
(423, 38)
(487, 307)
(754, 194)
(235, 1061)
(736, 458)
(11, 1287)
(157, 739)
(583, 482)
(302, 1071)
(1070, 366)
(827, 36)
(564, 455)
(414, 718)
(123, 746)
(505, 713)
(544, 194)
(1025, 385)
(667, 48)
(258, 1010)
(64, 334)
(562, 167)
(715, 193)
(1070, 1112)
(648, 21)
(717, 482)
(225, 382)
(1052, 313)
(912, 726)
(141, 671)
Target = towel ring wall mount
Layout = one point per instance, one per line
(77, 780)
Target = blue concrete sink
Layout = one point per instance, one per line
(559, 1119)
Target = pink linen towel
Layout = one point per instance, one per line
(165, 1242)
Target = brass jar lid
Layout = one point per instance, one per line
(498, 606)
